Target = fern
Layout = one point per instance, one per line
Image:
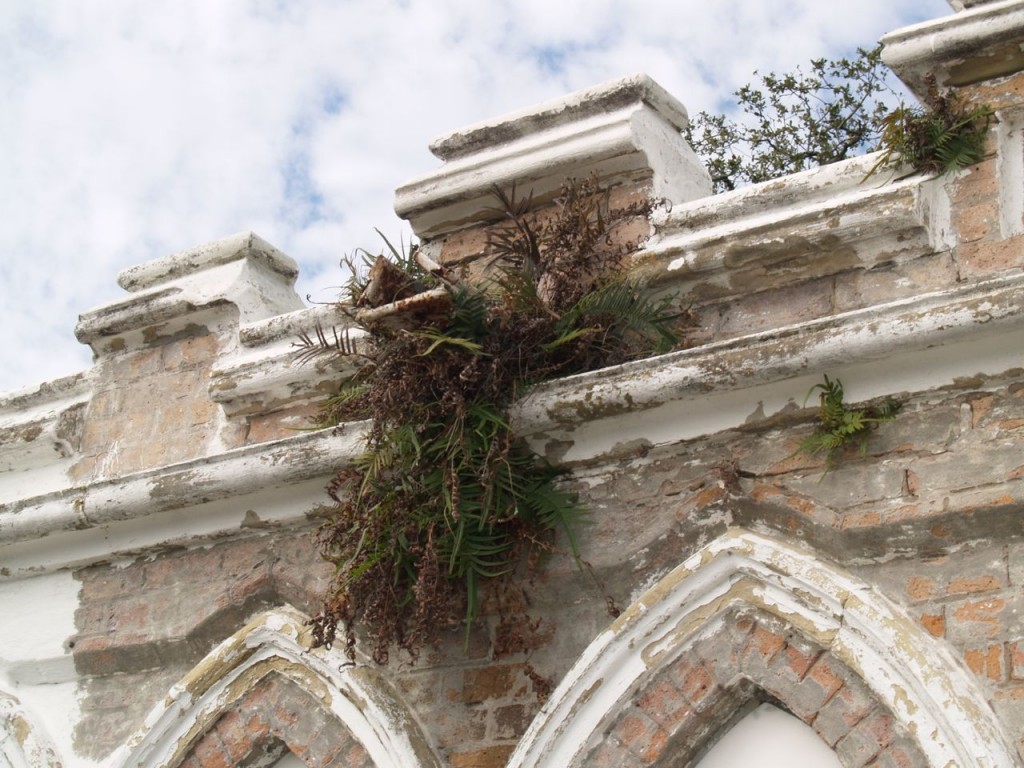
(940, 139)
(445, 498)
(839, 425)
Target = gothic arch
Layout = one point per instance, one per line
(266, 666)
(22, 745)
(747, 593)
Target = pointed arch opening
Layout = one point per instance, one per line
(769, 737)
(751, 618)
(263, 693)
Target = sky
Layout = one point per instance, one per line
(133, 129)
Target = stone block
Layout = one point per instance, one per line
(977, 221)
(664, 703)
(984, 258)
(641, 736)
(865, 740)
(847, 707)
(769, 309)
(494, 682)
(850, 484)
(866, 288)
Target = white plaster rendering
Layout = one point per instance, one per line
(822, 210)
(242, 270)
(36, 666)
(923, 687)
(265, 373)
(37, 431)
(47, 603)
(277, 642)
(1010, 135)
(23, 744)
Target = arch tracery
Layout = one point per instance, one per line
(263, 688)
(763, 607)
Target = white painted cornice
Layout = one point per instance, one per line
(808, 215)
(265, 371)
(910, 345)
(280, 482)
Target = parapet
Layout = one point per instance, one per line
(151, 506)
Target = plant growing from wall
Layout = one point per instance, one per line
(942, 138)
(446, 497)
(840, 425)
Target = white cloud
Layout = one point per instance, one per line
(134, 129)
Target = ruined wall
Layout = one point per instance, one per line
(156, 512)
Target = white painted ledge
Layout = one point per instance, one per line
(911, 345)
(264, 373)
(280, 482)
(805, 216)
(39, 435)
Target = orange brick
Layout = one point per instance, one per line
(799, 661)
(965, 585)
(935, 623)
(984, 614)
(986, 661)
(698, 684)
(921, 588)
(486, 757)
(766, 642)
(823, 674)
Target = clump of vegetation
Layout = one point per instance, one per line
(840, 425)
(943, 138)
(446, 496)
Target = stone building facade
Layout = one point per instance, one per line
(157, 567)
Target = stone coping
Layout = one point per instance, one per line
(243, 245)
(977, 43)
(590, 102)
(627, 130)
